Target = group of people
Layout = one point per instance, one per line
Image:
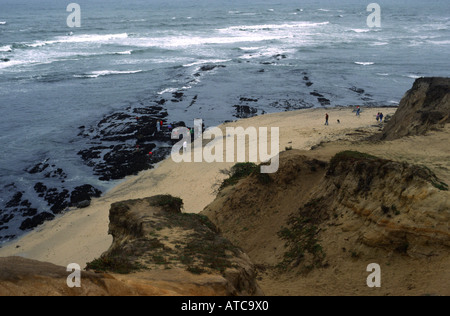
(160, 124)
(380, 117)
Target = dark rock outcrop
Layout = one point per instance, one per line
(82, 194)
(124, 143)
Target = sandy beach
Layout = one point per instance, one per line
(81, 235)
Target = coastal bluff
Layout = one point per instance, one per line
(426, 106)
(314, 226)
(156, 250)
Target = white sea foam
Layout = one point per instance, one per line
(168, 90)
(383, 74)
(2, 22)
(11, 63)
(360, 30)
(268, 52)
(379, 44)
(413, 76)
(96, 74)
(446, 42)
(6, 48)
(84, 38)
(175, 42)
(208, 61)
(265, 27)
(364, 63)
(127, 52)
(250, 48)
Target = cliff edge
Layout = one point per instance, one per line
(424, 107)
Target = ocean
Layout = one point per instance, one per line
(214, 60)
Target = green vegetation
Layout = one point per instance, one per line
(440, 185)
(352, 157)
(211, 253)
(349, 155)
(204, 248)
(195, 270)
(238, 172)
(302, 237)
(433, 179)
(118, 263)
(243, 170)
(168, 202)
(395, 210)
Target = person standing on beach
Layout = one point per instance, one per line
(358, 110)
(326, 119)
(381, 117)
(378, 116)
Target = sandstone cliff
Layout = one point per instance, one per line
(153, 237)
(315, 220)
(425, 106)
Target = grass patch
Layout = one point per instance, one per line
(349, 155)
(168, 202)
(204, 249)
(238, 172)
(195, 270)
(432, 178)
(209, 252)
(395, 210)
(301, 238)
(440, 185)
(243, 170)
(116, 264)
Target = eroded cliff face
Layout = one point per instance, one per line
(323, 218)
(152, 237)
(401, 207)
(424, 107)
(156, 250)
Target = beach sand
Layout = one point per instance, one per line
(81, 235)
